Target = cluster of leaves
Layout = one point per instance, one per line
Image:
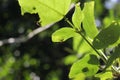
(87, 40)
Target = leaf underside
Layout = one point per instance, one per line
(107, 36)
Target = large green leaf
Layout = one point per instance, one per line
(63, 34)
(88, 65)
(107, 36)
(114, 56)
(89, 21)
(49, 11)
(77, 17)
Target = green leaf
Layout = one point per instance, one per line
(63, 34)
(104, 76)
(107, 36)
(77, 17)
(89, 21)
(107, 21)
(70, 59)
(80, 76)
(49, 11)
(74, 1)
(114, 56)
(88, 65)
(81, 46)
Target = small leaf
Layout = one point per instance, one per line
(107, 21)
(107, 36)
(88, 65)
(89, 21)
(114, 56)
(70, 59)
(49, 11)
(104, 76)
(77, 17)
(63, 34)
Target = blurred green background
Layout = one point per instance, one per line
(39, 58)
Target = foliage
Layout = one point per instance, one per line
(49, 7)
(88, 65)
(95, 53)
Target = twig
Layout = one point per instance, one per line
(25, 38)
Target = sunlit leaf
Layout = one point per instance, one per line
(49, 11)
(107, 36)
(80, 76)
(69, 59)
(104, 76)
(107, 21)
(63, 34)
(81, 46)
(89, 21)
(88, 65)
(114, 56)
(77, 17)
(74, 1)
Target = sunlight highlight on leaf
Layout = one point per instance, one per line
(80, 46)
(49, 11)
(63, 34)
(77, 17)
(88, 65)
(104, 76)
(89, 21)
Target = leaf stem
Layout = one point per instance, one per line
(100, 53)
(66, 19)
